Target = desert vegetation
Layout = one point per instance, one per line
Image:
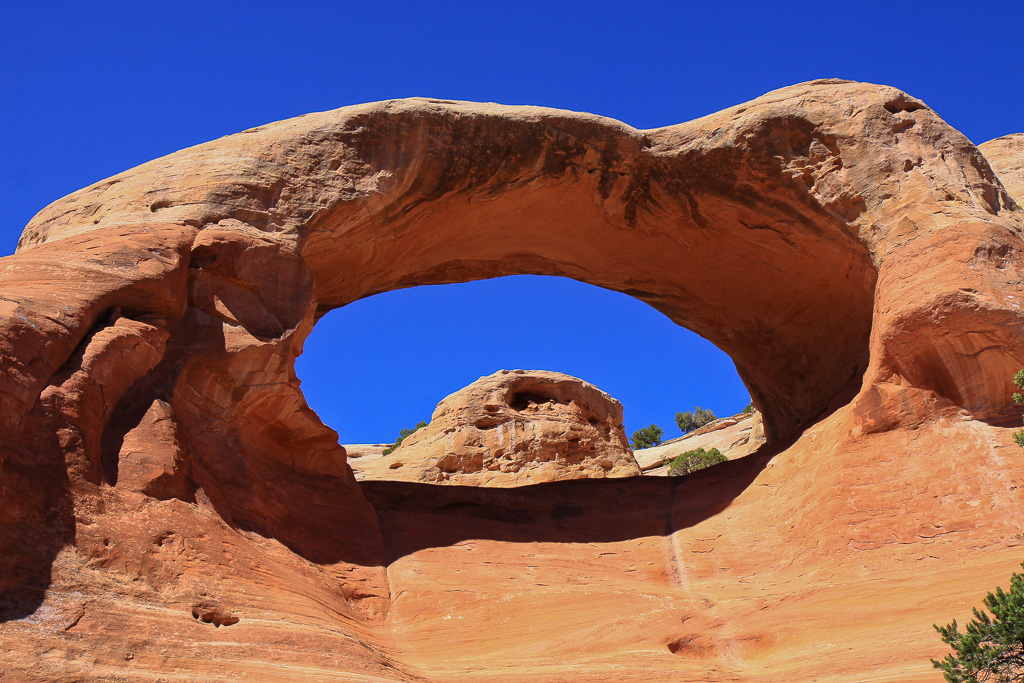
(992, 647)
(694, 460)
(690, 421)
(404, 433)
(648, 437)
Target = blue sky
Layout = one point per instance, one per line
(90, 89)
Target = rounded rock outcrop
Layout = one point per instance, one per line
(514, 428)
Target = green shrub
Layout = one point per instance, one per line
(691, 461)
(405, 432)
(648, 437)
(992, 648)
(698, 418)
(1018, 398)
(749, 408)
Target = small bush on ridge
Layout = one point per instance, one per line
(648, 437)
(698, 418)
(694, 460)
(405, 432)
(1018, 398)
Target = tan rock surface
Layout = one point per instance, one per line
(734, 437)
(1006, 154)
(161, 475)
(513, 428)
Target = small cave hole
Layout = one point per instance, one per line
(521, 400)
(213, 614)
(903, 104)
(202, 257)
(690, 645)
(159, 204)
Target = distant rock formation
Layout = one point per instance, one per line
(734, 437)
(514, 428)
(1006, 155)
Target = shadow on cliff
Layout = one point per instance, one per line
(36, 522)
(415, 516)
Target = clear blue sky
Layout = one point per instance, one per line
(90, 89)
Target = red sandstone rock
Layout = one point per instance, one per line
(171, 508)
(514, 428)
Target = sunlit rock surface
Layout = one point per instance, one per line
(170, 508)
(513, 428)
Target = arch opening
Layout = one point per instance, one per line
(406, 350)
(727, 239)
(792, 308)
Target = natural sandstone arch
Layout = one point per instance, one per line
(763, 228)
(844, 245)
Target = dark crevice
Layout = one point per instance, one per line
(521, 400)
(903, 103)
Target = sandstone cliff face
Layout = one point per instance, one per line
(514, 428)
(167, 499)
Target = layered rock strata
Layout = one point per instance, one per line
(168, 500)
(514, 428)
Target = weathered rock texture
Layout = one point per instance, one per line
(171, 508)
(1006, 155)
(514, 428)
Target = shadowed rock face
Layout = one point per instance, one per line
(859, 260)
(515, 428)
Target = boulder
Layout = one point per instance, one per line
(514, 428)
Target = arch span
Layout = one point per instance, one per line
(792, 231)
